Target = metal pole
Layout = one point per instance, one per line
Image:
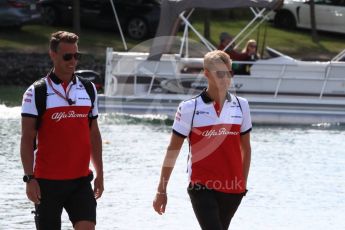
(204, 40)
(118, 25)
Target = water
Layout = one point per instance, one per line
(296, 179)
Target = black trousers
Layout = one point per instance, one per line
(214, 210)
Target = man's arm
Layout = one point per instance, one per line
(171, 155)
(96, 158)
(246, 154)
(27, 156)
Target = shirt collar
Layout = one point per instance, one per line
(206, 98)
(57, 80)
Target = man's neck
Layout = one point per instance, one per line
(63, 77)
(216, 95)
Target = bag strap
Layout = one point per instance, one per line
(40, 87)
(91, 92)
(89, 89)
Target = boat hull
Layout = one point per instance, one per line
(268, 110)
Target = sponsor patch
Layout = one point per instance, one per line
(219, 132)
(70, 114)
(201, 112)
(178, 116)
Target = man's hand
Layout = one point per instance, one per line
(160, 202)
(33, 191)
(98, 186)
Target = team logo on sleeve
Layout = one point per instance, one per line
(178, 116)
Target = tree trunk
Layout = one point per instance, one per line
(314, 35)
(76, 16)
(207, 24)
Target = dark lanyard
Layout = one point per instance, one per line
(66, 98)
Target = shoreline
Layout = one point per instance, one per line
(23, 68)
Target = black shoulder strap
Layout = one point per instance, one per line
(91, 92)
(89, 89)
(40, 87)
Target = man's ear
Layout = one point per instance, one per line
(52, 54)
(206, 73)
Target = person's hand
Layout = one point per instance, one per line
(160, 202)
(33, 191)
(251, 52)
(98, 186)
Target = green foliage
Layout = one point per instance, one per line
(296, 43)
(11, 95)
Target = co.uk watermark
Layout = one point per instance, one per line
(235, 184)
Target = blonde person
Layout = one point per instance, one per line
(251, 50)
(217, 125)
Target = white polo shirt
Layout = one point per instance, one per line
(63, 149)
(215, 157)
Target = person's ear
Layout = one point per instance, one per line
(206, 73)
(52, 54)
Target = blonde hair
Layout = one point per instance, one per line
(249, 42)
(216, 57)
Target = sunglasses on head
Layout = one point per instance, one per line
(223, 73)
(69, 56)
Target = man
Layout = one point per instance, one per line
(57, 173)
(217, 125)
(224, 40)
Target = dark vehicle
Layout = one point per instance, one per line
(138, 18)
(93, 76)
(15, 13)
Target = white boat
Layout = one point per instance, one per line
(280, 89)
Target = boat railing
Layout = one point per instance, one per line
(340, 56)
(277, 72)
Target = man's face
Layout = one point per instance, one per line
(220, 76)
(226, 41)
(64, 58)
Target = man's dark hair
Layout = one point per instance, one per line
(224, 35)
(62, 36)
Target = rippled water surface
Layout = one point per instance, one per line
(296, 179)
